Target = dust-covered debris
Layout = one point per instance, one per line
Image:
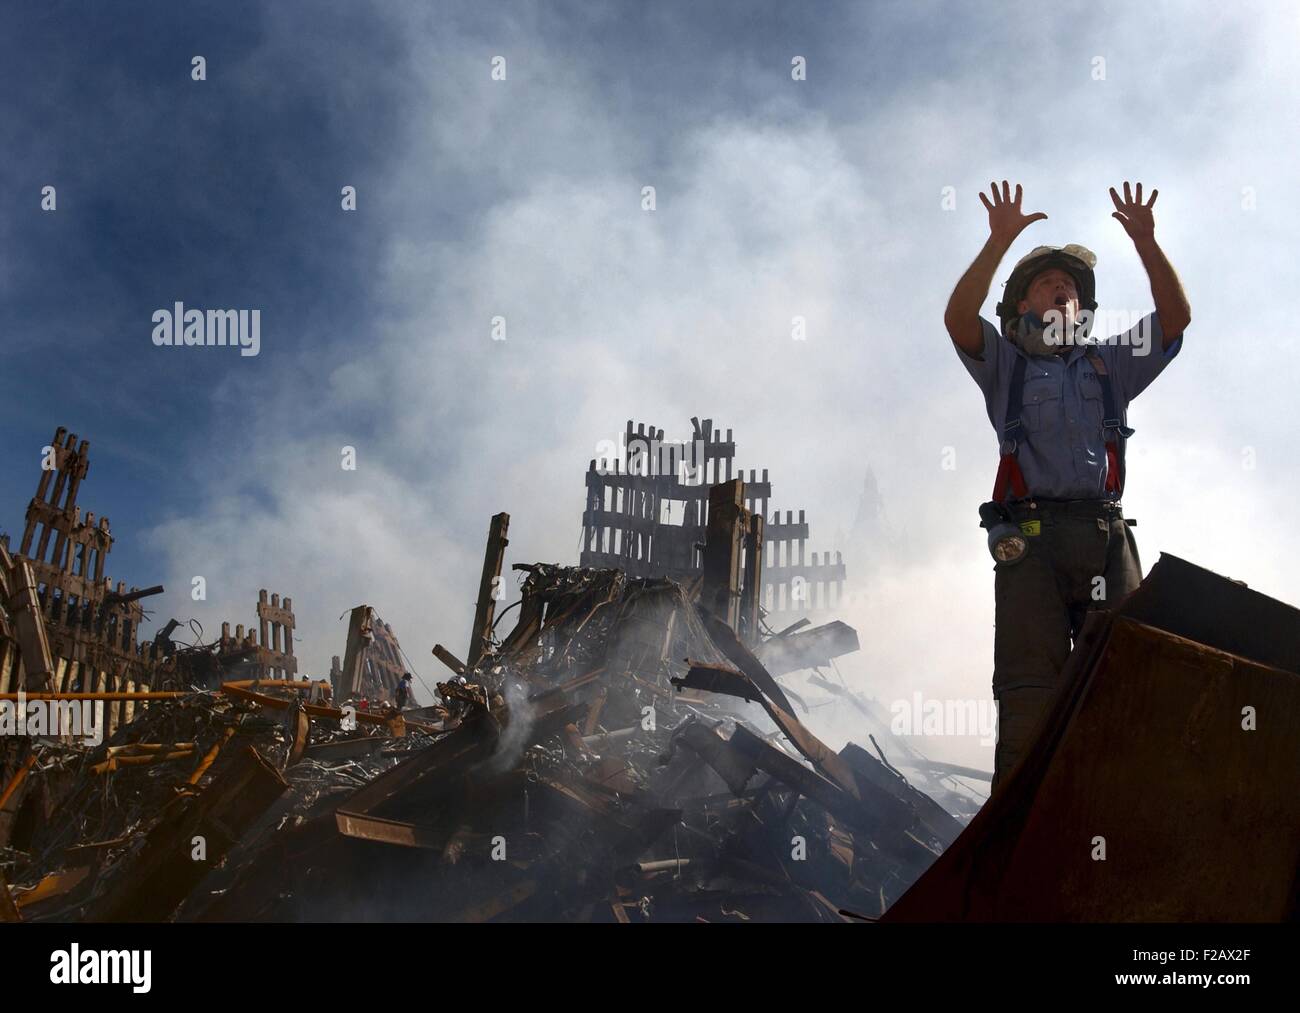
(620, 754)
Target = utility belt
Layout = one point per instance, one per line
(1038, 507)
(1010, 525)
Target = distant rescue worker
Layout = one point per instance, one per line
(1058, 401)
(403, 692)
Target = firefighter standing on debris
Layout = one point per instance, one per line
(1058, 404)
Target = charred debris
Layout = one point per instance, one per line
(627, 747)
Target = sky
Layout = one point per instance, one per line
(849, 199)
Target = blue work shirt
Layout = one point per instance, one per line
(1062, 452)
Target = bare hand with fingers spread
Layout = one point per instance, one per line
(1005, 218)
(1136, 217)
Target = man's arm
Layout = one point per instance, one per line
(962, 317)
(1006, 222)
(1171, 301)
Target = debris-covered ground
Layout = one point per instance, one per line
(619, 755)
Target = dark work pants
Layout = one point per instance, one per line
(1040, 604)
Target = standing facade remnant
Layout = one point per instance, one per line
(372, 662)
(65, 627)
(88, 627)
(361, 625)
(278, 650)
(89, 624)
(647, 514)
(266, 654)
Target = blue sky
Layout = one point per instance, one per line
(522, 198)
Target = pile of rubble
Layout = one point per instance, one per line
(127, 829)
(620, 755)
(625, 752)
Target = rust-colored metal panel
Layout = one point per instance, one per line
(1188, 600)
(1161, 788)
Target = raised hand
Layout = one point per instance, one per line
(1136, 217)
(1005, 219)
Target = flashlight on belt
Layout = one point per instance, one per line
(1007, 543)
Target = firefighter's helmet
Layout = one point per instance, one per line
(1077, 260)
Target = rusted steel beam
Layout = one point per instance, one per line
(301, 734)
(144, 760)
(743, 658)
(56, 884)
(301, 685)
(211, 755)
(717, 679)
(472, 740)
(16, 782)
(888, 829)
(449, 659)
(383, 831)
(135, 748)
(319, 711)
(142, 695)
(164, 872)
(593, 715)
(752, 590)
(125, 598)
(727, 522)
(488, 588)
(576, 682)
